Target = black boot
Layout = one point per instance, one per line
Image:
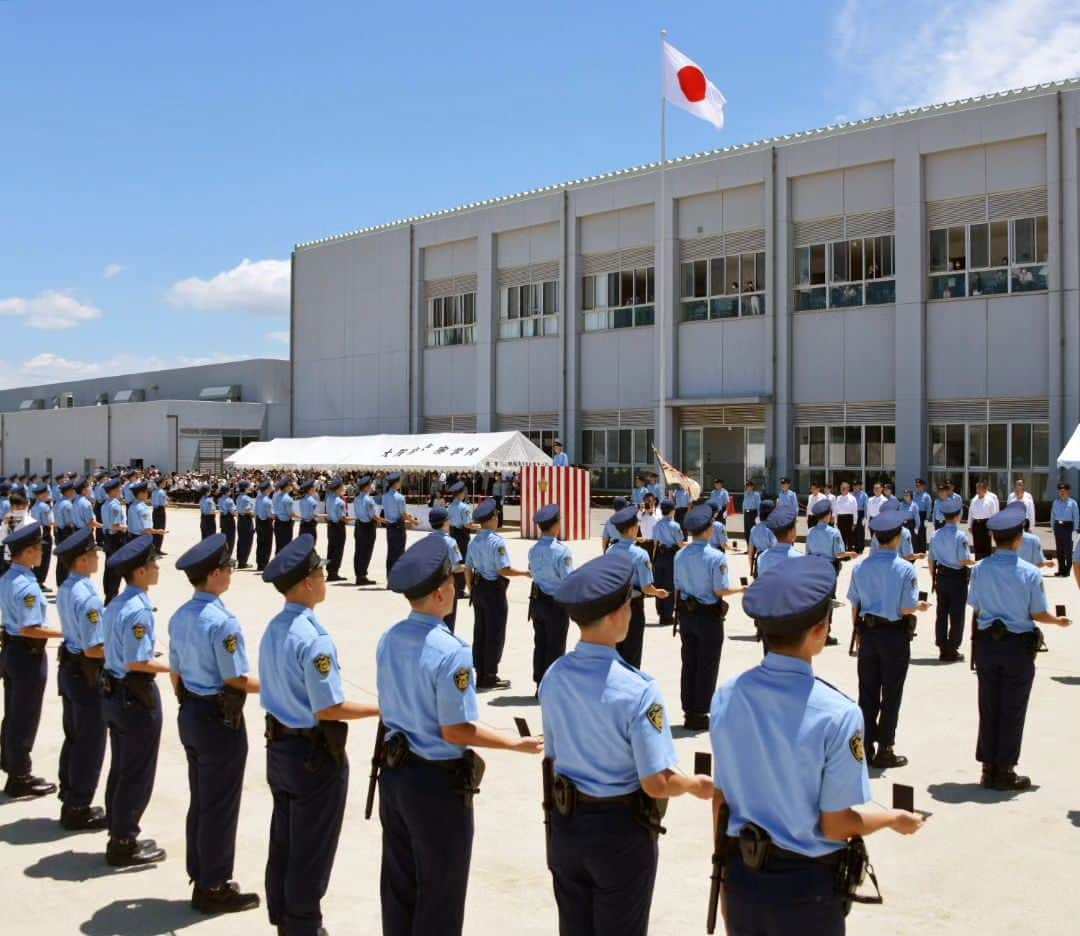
(17, 787)
(83, 818)
(224, 899)
(887, 757)
(1008, 779)
(987, 778)
(128, 853)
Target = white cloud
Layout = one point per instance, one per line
(260, 287)
(113, 269)
(51, 368)
(50, 310)
(281, 337)
(893, 56)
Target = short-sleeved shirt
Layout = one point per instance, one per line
(1006, 588)
(140, 517)
(550, 562)
(719, 535)
(128, 628)
(1065, 511)
(637, 495)
(282, 504)
(953, 500)
(42, 512)
(682, 498)
(751, 500)
(207, 506)
(451, 549)
(425, 681)
(761, 537)
(561, 460)
(306, 508)
(299, 673)
(605, 725)
(264, 507)
(1031, 549)
(823, 539)
(786, 748)
(459, 512)
(923, 502)
(643, 572)
(335, 508)
(949, 547)
(775, 555)
(65, 514)
(22, 602)
(393, 506)
(719, 499)
(206, 645)
(81, 611)
(667, 532)
(906, 549)
(884, 585)
(245, 505)
(488, 555)
(159, 498)
(788, 498)
(700, 572)
(84, 513)
(364, 508)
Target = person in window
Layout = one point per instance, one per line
(872, 271)
(976, 285)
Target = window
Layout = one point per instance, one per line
(832, 454)
(988, 258)
(543, 438)
(845, 273)
(452, 320)
(723, 287)
(617, 456)
(529, 311)
(618, 300)
(997, 453)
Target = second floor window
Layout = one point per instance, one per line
(988, 258)
(856, 272)
(529, 311)
(618, 300)
(723, 287)
(451, 320)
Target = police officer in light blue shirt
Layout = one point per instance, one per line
(719, 497)
(681, 496)
(950, 560)
(42, 512)
(789, 765)
(560, 459)
(264, 526)
(626, 522)
(1031, 550)
(282, 504)
(668, 538)
(611, 758)
(365, 520)
(787, 497)
(227, 515)
(84, 516)
(306, 767)
(1008, 598)
(209, 667)
(823, 539)
(396, 517)
(924, 504)
(81, 658)
(306, 510)
(750, 506)
(64, 518)
(640, 489)
(437, 520)
(1065, 519)
(461, 524)
(207, 512)
(719, 531)
(610, 534)
(781, 523)
(759, 537)
(946, 494)
(114, 525)
(550, 562)
(904, 549)
(139, 512)
(427, 696)
(336, 518)
(245, 524)
(159, 502)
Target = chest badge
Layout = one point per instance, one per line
(656, 716)
(461, 679)
(856, 746)
(230, 643)
(139, 630)
(322, 665)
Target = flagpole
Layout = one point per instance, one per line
(661, 304)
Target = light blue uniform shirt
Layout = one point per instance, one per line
(83, 514)
(99, 493)
(298, 668)
(158, 497)
(207, 506)
(719, 535)
(751, 500)
(5, 507)
(786, 748)
(264, 509)
(65, 514)
(883, 584)
(911, 513)
(949, 547)
(81, 611)
(487, 555)
(637, 495)
(139, 518)
(451, 549)
(906, 549)
(306, 507)
(227, 505)
(682, 498)
(41, 511)
(424, 675)
(790, 498)
(22, 602)
(775, 555)
(206, 645)
(460, 513)
(657, 490)
(128, 628)
(610, 532)
(113, 515)
(393, 506)
(825, 540)
(667, 532)
(1006, 588)
(282, 504)
(245, 505)
(1031, 549)
(761, 537)
(125, 493)
(700, 572)
(561, 460)
(550, 562)
(954, 499)
(719, 499)
(364, 508)
(923, 501)
(643, 574)
(861, 500)
(336, 508)
(604, 722)
(1065, 511)
(54, 493)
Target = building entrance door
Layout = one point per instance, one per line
(724, 456)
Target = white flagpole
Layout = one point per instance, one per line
(661, 303)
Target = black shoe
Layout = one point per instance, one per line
(323, 931)
(83, 818)
(364, 580)
(129, 853)
(831, 641)
(495, 683)
(987, 778)
(887, 757)
(948, 655)
(696, 722)
(163, 554)
(17, 787)
(1009, 779)
(244, 565)
(335, 578)
(224, 899)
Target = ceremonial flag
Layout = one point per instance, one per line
(672, 475)
(686, 86)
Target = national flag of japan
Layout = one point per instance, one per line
(672, 475)
(686, 86)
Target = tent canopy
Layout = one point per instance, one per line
(445, 451)
(1070, 455)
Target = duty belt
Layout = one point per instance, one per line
(949, 570)
(872, 621)
(275, 730)
(775, 851)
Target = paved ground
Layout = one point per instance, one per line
(985, 863)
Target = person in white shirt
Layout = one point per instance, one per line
(648, 514)
(1019, 494)
(846, 510)
(982, 507)
(815, 496)
(873, 506)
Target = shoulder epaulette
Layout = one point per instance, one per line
(825, 682)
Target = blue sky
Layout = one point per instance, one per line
(160, 160)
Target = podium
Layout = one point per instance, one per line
(570, 488)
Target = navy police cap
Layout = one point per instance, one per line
(422, 568)
(546, 515)
(951, 508)
(666, 506)
(132, 554)
(393, 477)
(792, 596)
(243, 485)
(486, 509)
(766, 508)
(265, 486)
(138, 487)
(205, 556)
(364, 481)
(698, 519)
(306, 486)
(889, 520)
(457, 487)
(334, 484)
(599, 587)
(81, 541)
(437, 516)
(821, 508)
(293, 564)
(66, 486)
(23, 538)
(782, 517)
(1009, 520)
(204, 490)
(617, 503)
(625, 518)
(283, 483)
(112, 484)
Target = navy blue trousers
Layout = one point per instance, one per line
(1063, 545)
(603, 867)
(41, 572)
(134, 737)
(283, 534)
(228, 528)
(309, 806)
(395, 544)
(207, 525)
(25, 673)
(664, 576)
(61, 569)
(245, 534)
(884, 654)
(426, 849)
(335, 547)
(951, 605)
(784, 898)
(157, 517)
(311, 528)
(216, 756)
(633, 646)
(110, 581)
(264, 542)
(489, 629)
(1006, 670)
(550, 623)
(363, 545)
(702, 640)
(83, 750)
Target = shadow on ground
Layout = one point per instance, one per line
(76, 866)
(151, 917)
(506, 701)
(972, 793)
(1067, 680)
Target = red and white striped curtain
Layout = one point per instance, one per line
(567, 487)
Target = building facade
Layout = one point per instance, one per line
(892, 298)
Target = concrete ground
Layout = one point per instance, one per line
(985, 862)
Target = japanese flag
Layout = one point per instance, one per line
(686, 86)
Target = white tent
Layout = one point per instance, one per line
(1070, 455)
(450, 451)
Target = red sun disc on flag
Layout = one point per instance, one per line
(692, 81)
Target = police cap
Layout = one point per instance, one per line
(293, 564)
(205, 556)
(422, 568)
(624, 519)
(81, 541)
(821, 508)
(597, 588)
(133, 554)
(486, 510)
(1009, 520)
(437, 516)
(698, 519)
(24, 537)
(782, 518)
(546, 516)
(457, 487)
(792, 596)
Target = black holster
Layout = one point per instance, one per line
(853, 869)
(328, 737)
(1037, 641)
(91, 668)
(468, 775)
(649, 814)
(395, 751)
(755, 845)
(140, 686)
(231, 702)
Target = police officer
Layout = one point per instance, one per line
(1065, 518)
(719, 497)
(701, 584)
(306, 766)
(438, 521)
(825, 540)
(41, 511)
(264, 526)
(336, 510)
(306, 510)
(923, 504)
(949, 561)
(612, 762)
(884, 596)
(751, 504)
(132, 703)
(789, 767)
(668, 539)
(946, 494)
(559, 459)
(461, 523)
(1008, 598)
(99, 498)
(227, 510)
(207, 512)
(681, 496)
(787, 497)
(626, 522)
(640, 489)
(114, 525)
(282, 504)
(759, 537)
(82, 655)
(1031, 550)
(610, 534)
(396, 516)
(550, 562)
(139, 513)
(781, 523)
(64, 516)
(365, 520)
(23, 661)
(209, 667)
(487, 575)
(430, 773)
(245, 524)
(84, 516)
(862, 503)
(159, 502)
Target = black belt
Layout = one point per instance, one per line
(949, 570)
(415, 759)
(775, 851)
(275, 730)
(872, 621)
(624, 799)
(662, 547)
